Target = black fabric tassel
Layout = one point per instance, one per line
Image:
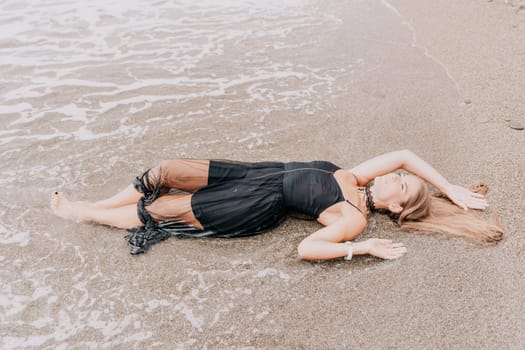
(141, 238)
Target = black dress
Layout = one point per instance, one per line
(242, 199)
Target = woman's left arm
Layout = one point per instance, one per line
(328, 242)
(405, 159)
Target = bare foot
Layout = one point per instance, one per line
(64, 208)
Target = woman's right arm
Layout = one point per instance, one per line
(392, 161)
(405, 159)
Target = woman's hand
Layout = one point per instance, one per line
(465, 199)
(385, 249)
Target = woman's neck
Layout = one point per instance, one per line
(378, 204)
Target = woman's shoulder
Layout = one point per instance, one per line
(343, 211)
(354, 216)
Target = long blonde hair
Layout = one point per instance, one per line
(429, 212)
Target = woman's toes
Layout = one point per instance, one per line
(61, 206)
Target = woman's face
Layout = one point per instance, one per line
(395, 188)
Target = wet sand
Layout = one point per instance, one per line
(254, 293)
(481, 46)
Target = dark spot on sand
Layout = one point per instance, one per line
(516, 126)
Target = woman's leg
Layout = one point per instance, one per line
(187, 175)
(122, 217)
(175, 207)
(126, 197)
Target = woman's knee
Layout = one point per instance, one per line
(164, 170)
(184, 174)
(167, 163)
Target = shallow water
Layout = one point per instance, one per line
(94, 92)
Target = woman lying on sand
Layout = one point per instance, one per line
(210, 198)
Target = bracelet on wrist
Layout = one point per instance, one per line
(350, 251)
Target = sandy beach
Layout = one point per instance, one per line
(341, 81)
